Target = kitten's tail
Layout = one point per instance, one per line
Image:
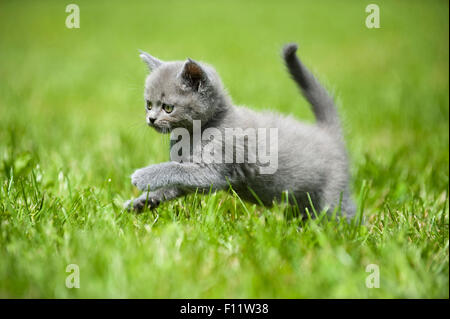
(321, 102)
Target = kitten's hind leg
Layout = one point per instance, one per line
(153, 199)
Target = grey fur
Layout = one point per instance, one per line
(321, 102)
(312, 159)
(151, 61)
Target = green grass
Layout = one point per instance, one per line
(72, 131)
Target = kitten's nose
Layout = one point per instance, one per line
(152, 119)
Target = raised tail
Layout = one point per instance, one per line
(320, 100)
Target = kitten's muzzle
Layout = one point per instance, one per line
(160, 126)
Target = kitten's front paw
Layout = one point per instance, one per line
(139, 179)
(127, 205)
(139, 204)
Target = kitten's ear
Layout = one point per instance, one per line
(151, 61)
(194, 75)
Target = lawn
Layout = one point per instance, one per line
(72, 130)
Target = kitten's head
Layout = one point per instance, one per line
(176, 93)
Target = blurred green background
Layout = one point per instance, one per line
(72, 130)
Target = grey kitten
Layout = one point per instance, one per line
(312, 159)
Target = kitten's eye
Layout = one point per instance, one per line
(168, 108)
(149, 105)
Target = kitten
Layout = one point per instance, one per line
(312, 164)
